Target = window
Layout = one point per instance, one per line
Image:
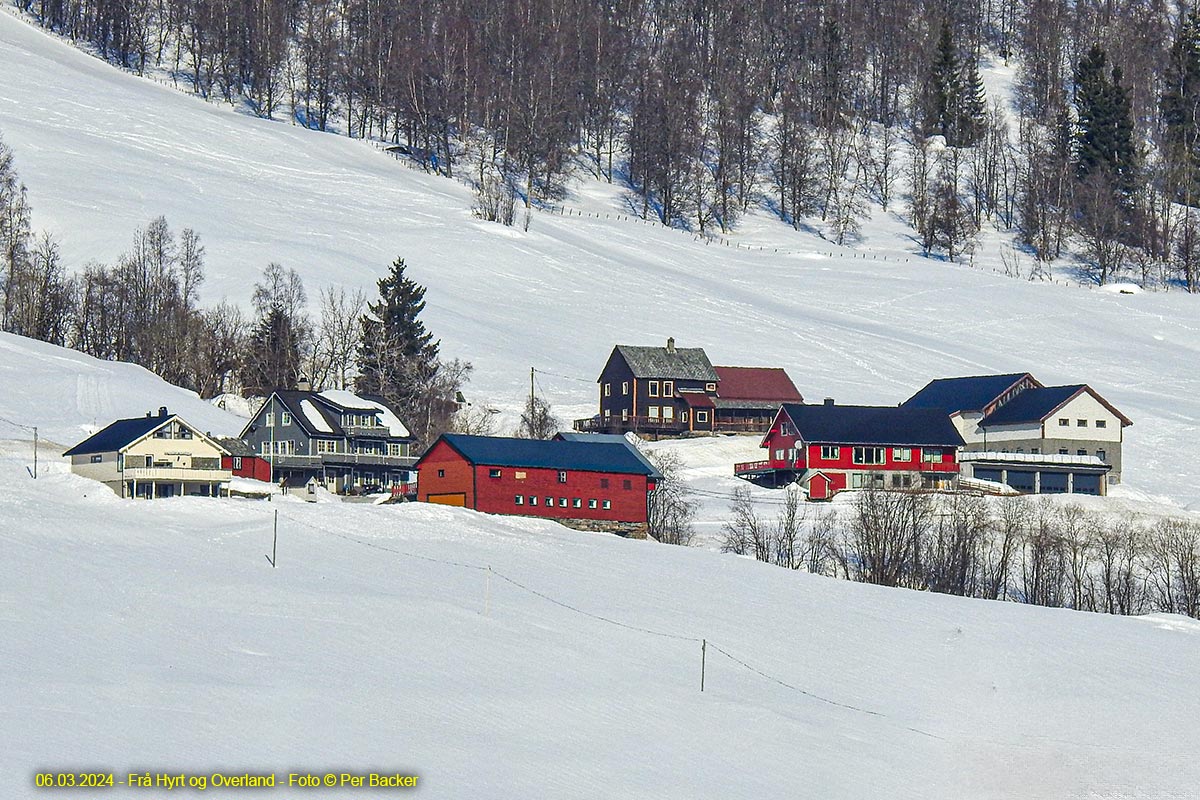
(1081, 423)
(627, 484)
(668, 389)
(1063, 422)
(396, 449)
(185, 433)
(237, 462)
(683, 416)
(533, 499)
(866, 480)
(562, 477)
(869, 455)
(830, 452)
(1101, 423)
(96, 459)
(441, 473)
(607, 413)
(652, 412)
(931, 455)
(624, 414)
(710, 387)
(668, 413)
(519, 500)
(550, 501)
(562, 502)
(270, 419)
(1062, 451)
(625, 387)
(607, 504)
(1035, 450)
(591, 503)
(604, 483)
(1102, 455)
(577, 503)
(653, 389)
(264, 448)
(701, 416)
(902, 480)
(791, 454)
(493, 473)
(902, 453)
(285, 418)
(1081, 452)
(779, 455)
(608, 390)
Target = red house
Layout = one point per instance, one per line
(828, 448)
(244, 462)
(566, 480)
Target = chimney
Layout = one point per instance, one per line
(303, 384)
(670, 344)
(828, 401)
(162, 411)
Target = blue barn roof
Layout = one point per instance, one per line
(118, 435)
(1032, 405)
(877, 425)
(556, 454)
(971, 393)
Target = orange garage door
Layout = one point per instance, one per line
(454, 499)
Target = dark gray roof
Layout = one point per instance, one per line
(612, 438)
(236, 447)
(117, 435)
(877, 425)
(557, 454)
(681, 363)
(972, 393)
(1031, 405)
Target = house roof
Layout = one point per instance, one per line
(1035, 405)
(678, 363)
(879, 425)
(320, 413)
(236, 447)
(757, 384)
(119, 434)
(619, 438)
(970, 393)
(556, 454)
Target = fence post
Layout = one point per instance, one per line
(703, 653)
(35, 448)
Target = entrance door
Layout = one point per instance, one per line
(450, 499)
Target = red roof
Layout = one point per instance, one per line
(696, 399)
(756, 383)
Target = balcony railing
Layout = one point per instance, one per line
(371, 432)
(661, 425)
(177, 474)
(298, 461)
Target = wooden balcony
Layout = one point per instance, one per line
(177, 475)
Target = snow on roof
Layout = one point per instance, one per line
(314, 416)
(1032, 458)
(387, 417)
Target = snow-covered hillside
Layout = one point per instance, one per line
(68, 395)
(103, 151)
(155, 636)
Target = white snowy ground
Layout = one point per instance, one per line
(103, 152)
(155, 636)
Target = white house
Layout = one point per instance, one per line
(152, 456)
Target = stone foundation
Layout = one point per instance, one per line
(630, 530)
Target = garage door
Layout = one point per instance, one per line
(453, 499)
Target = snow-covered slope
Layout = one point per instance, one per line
(104, 151)
(68, 395)
(155, 636)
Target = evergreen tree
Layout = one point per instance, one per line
(944, 87)
(1104, 142)
(397, 357)
(272, 358)
(1180, 106)
(971, 107)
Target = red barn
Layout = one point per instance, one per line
(244, 462)
(828, 448)
(566, 480)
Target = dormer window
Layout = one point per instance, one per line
(710, 387)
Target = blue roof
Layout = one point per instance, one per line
(972, 393)
(1031, 405)
(877, 425)
(617, 438)
(117, 435)
(557, 454)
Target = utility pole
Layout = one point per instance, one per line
(531, 393)
(35, 448)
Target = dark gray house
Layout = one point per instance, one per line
(343, 440)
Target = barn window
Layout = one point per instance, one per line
(591, 503)
(562, 502)
(493, 473)
(562, 477)
(519, 500)
(628, 484)
(237, 462)
(1100, 423)
(441, 473)
(577, 503)
(533, 499)
(607, 504)
(550, 501)
(604, 483)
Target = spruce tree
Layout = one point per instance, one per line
(943, 88)
(397, 357)
(1104, 142)
(272, 355)
(1180, 106)
(972, 106)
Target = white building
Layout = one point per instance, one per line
(152, 456)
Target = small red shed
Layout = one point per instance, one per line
(559, 479)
